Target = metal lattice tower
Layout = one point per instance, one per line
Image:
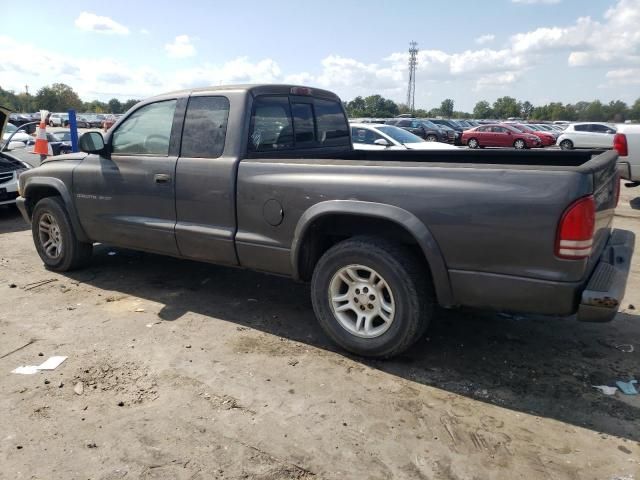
(411, 90)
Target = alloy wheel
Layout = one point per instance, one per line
(361, 301)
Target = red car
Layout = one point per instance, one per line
(547, 138)
(108, 122)
(499, 136)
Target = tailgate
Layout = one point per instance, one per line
(606, 186)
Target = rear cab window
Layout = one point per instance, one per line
(205, 127)
(283, 122)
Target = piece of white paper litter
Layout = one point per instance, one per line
(50, 364)
(606, 389)
(28, 370)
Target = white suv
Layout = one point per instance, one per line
(587, 135)
(59, 120)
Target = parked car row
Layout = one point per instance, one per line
(83, 120)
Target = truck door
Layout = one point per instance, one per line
(205, 183)
(127, 198)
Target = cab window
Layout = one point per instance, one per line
(147, 131)
(205, 127)
(271, 125)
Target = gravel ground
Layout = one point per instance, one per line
(183, 370)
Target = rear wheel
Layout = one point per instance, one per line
(519, 144)
(473, 143)
(431, 138)
(371, 296)
(566, 145)
(54, 238)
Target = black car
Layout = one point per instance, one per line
(19, 119)
(451, 124)
(421, 128)
(83, 122)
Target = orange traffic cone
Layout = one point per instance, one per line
(42, 145)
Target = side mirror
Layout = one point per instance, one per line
(92, 142)
(382, 142)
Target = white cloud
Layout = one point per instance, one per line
(144, 31)
(614, 41)
(497, 80)
(181, 47)
(488, 38)
(533, 2)
(91, 22)
(623, 76)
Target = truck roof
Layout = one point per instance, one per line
(257, 89)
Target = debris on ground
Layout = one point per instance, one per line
(79, 388)
(625, 347)
(606, 389)
(50, 364)
(628, 388)
(111, 254)
(19, 348)
(31, 286)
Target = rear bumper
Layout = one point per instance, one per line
(604, 292)
(596, 298)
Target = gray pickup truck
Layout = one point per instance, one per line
(265, 177)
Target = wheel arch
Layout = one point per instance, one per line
(38, 188)
(307, 247)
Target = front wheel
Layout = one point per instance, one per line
(371, 296)
(431, 138)
(566, 145)
(473, 143)
(54, 238)
(519, 144)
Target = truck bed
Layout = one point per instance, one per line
(555, 159)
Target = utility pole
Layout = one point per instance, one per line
(411, 90)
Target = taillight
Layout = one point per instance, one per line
(575, 231)
(620, 144)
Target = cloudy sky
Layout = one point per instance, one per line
(536, 50)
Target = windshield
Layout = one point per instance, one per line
(398, 134)
(10, 128)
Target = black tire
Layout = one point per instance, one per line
(473, 143)
(431, 138)
(566, 145)
(407, 279)
(72, 253)
(520, 144)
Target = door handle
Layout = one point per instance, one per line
(162, 178)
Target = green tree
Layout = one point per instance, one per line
(595, 112)
(95, 106)
(115, 106)
(372, 106)
(356, 107)
(57, 98)
(526, 109)
(128, 104)
(634, 111)
(617, 111)
(446, 108)
(505, 107)
(8, 99)
(482, 110)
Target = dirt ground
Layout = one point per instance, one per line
(192, 371)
